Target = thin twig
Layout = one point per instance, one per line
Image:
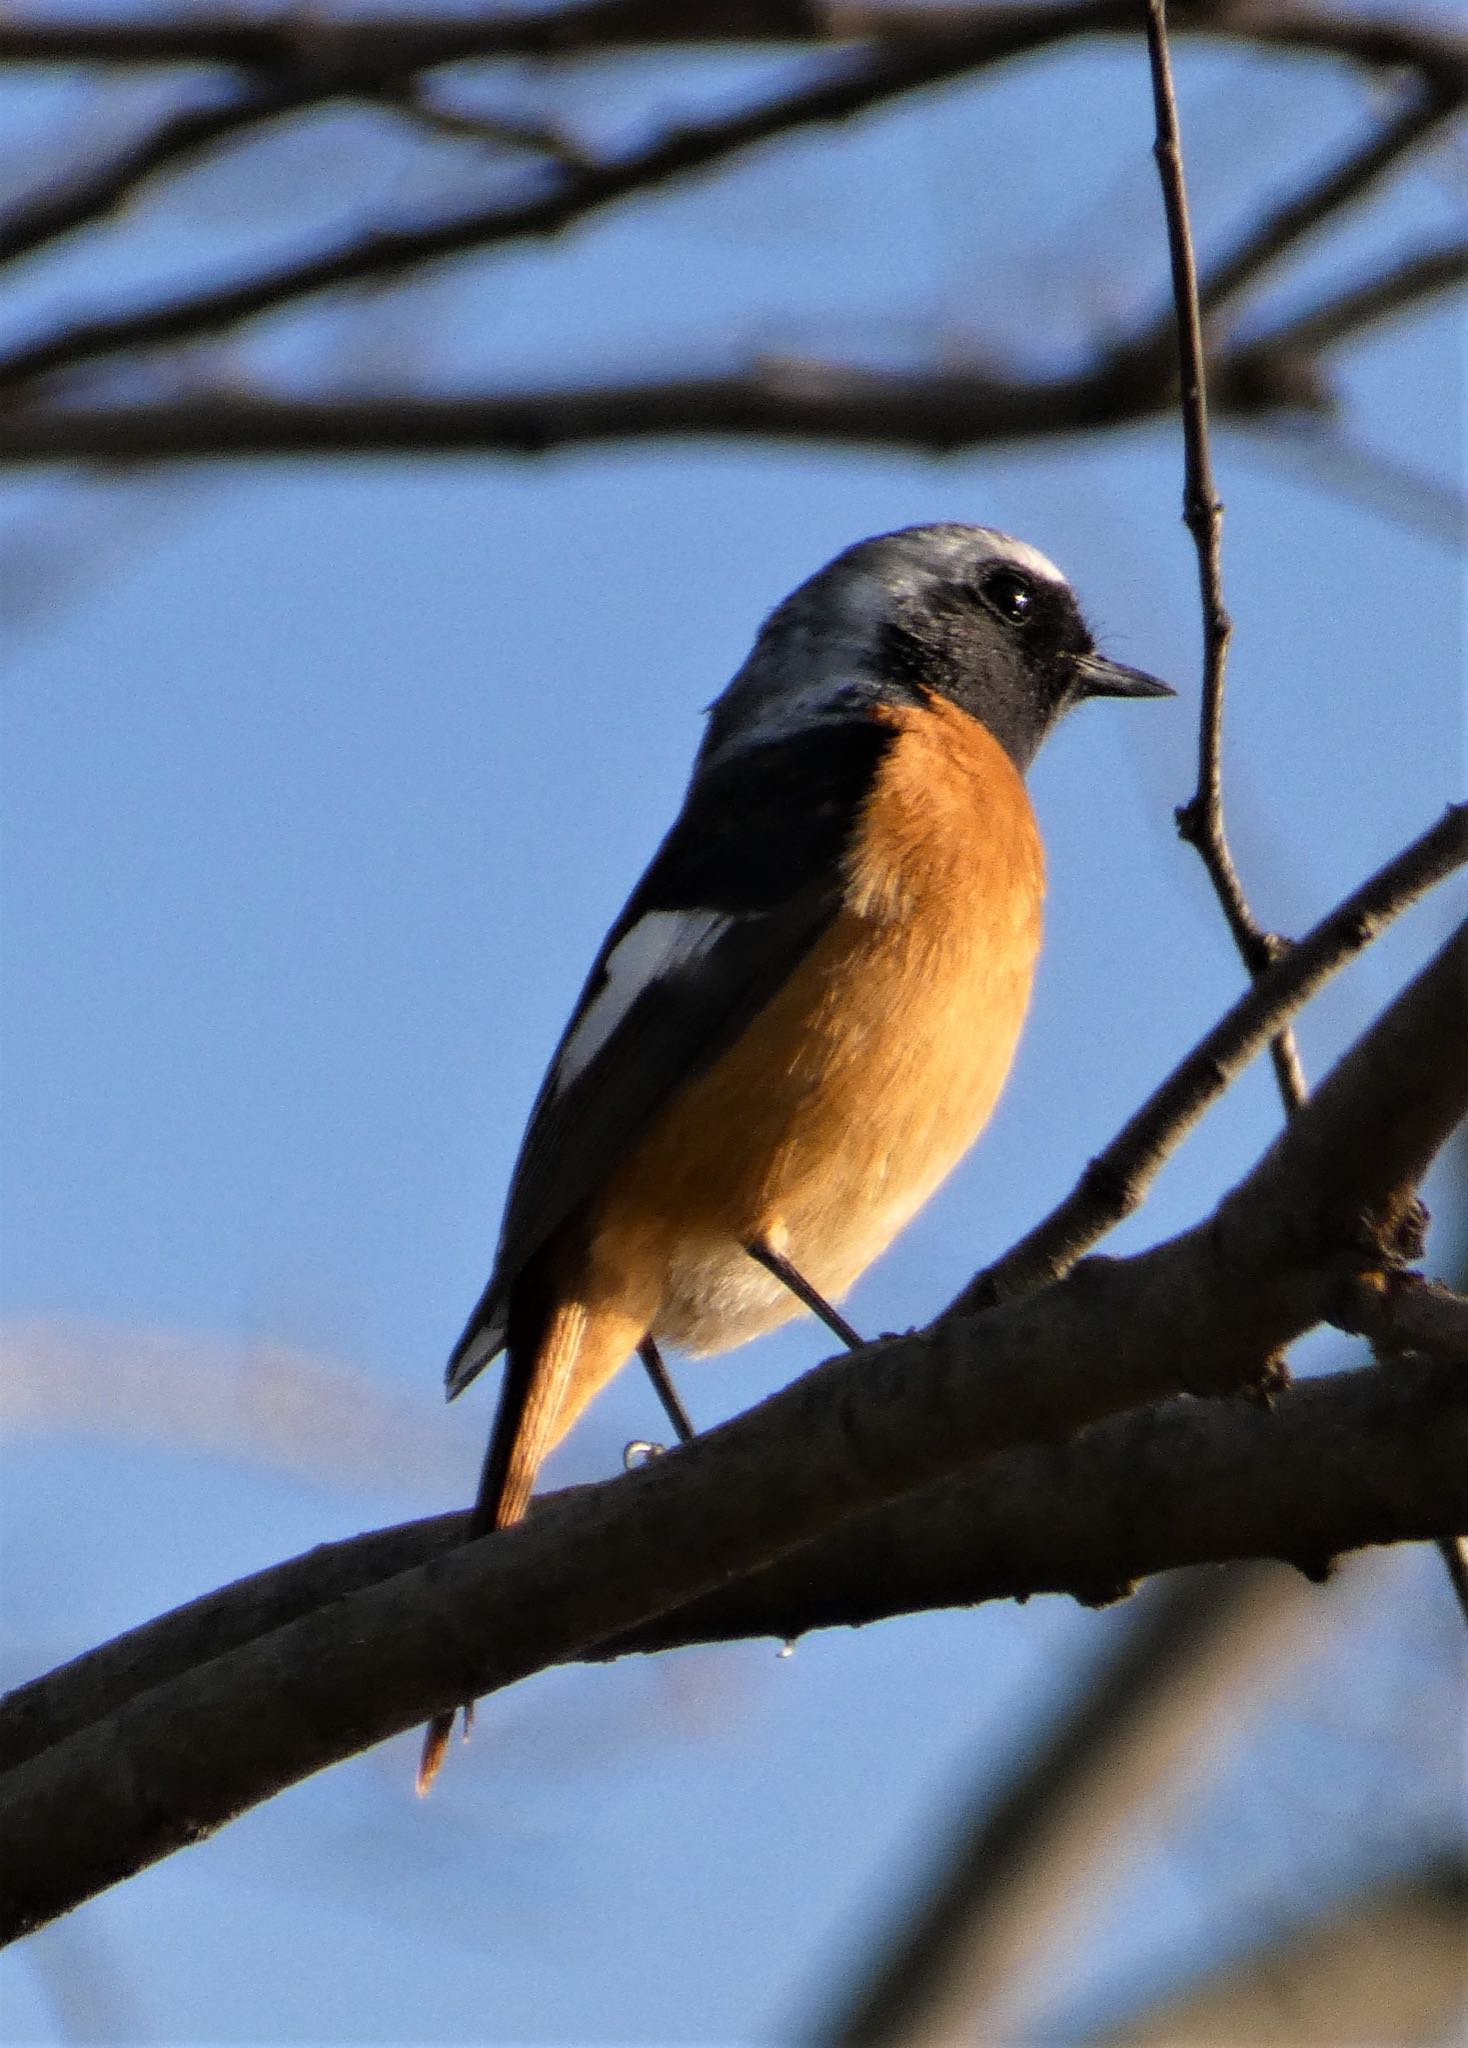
(1200, 820)
(408, 95)
(181, 138)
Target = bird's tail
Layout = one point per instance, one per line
(557, 1359)
(538, 1369)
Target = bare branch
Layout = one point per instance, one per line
(1376, 40)
(1365, 1457)
(1207, 1312)
(1285, 226)
(1344, 313)
(1255, 382)
(97, 189)
(1117, 1179)
(1200, 820)
(1133, 1736)
(850, 86)
(86, 195)
(410, 97)
(1386, 1965)
(777, 399)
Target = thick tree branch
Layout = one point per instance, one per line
(1205, 1313)
(1378, 1455)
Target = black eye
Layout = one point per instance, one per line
(1010, 594)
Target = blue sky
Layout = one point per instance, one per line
(321, 784)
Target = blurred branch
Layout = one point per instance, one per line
(1256, 383)
(86, 194)
(1345, 313)
(780, 399)
(251, 1403)
(1018, 1868)
(1207, 1312)
(1385, 1966)
(250, 41)
(850, 86)
(411, 98)
(1283, 227)
(1323, 455)
(579, 189)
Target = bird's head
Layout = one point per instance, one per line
(962, 612)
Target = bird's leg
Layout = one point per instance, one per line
(666, 1392)
(776, 1263)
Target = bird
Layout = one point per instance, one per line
(803, 1017)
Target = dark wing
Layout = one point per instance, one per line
(744, 884)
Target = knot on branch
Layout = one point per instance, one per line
(1191, 819)
(1266, 1382)
(1403, 1314)
(1395, 1234)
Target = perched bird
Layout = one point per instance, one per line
(804, 1015)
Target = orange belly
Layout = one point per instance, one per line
(861, 1085)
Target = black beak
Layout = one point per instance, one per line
(1102, 678)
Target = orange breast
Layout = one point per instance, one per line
(862, 1083)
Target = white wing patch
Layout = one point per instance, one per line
(661, 943)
